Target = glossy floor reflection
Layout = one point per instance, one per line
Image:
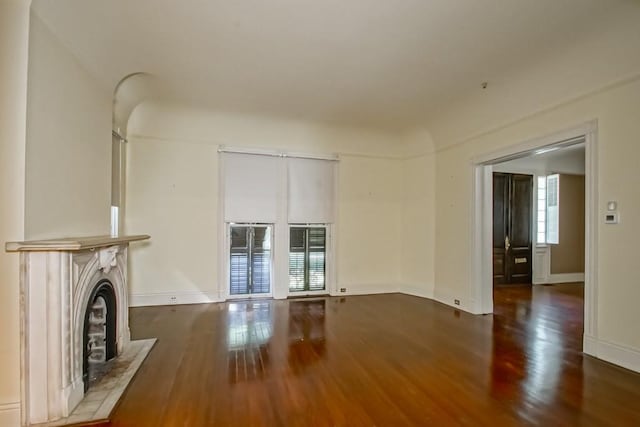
(384, 360)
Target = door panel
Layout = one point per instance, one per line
(307, 253)
(519, 254)
(512, 221)
(500, 226)
(250, 260)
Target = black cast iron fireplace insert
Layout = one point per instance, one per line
(99, 337)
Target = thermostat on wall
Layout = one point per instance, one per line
(611, 218)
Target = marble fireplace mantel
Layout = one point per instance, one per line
(57, 277)
(71, 243)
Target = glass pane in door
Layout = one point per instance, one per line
(250, 263)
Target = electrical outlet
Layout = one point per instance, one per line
(173, 300)
(343, 290)
(456, 301)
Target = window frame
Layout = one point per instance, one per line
(327, 260)
(228, 253)
(551, 229)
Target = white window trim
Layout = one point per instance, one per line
(227, 262)
(329, 260)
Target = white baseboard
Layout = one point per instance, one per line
(564, 278)
(448, 298)
(626, 357)
(365, 290)
(172, 298)
(10, 414)
(417, 291)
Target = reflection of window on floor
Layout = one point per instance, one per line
(307, 258)
(548, 209)
(249, 330)
(249, 324)
(250, 263)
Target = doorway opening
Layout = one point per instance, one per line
(250, 265)
(483, 218)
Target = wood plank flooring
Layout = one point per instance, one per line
(383, 360)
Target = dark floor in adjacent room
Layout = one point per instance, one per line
(383, 360)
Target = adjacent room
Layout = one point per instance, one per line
(319, 213)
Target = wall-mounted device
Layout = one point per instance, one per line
(611, 217)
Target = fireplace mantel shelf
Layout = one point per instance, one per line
(71, 243)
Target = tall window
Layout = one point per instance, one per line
(250, 263)
(307, 258)
(548, 209)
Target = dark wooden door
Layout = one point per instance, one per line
(512, 231)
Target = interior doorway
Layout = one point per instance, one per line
(482, 248)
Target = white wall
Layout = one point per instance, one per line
(604, 57)
(14, 36)
(68, 169)
(172, 194)
(616, 110)
(418, 216)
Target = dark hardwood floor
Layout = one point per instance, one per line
(383, 360)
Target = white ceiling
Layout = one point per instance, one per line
(380, 63)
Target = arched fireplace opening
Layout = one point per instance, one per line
(99, 337)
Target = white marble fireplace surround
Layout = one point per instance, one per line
(56, 280)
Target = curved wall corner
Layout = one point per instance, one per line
(132, 90)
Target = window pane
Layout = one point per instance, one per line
(250, 260)
(541, 214)
(307, 258)
(553, 207)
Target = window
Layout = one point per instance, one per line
(250, 263)
(548, 209)
(307, 258)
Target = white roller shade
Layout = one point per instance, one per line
(251, 187)
(311, 190)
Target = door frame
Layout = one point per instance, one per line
(329, 261)
(482, 224)
(227, 295)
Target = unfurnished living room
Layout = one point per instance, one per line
(319, 213)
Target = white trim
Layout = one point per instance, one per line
(328, 260)
(523, 149)
(323, 292)
(277, 153)
(10, 406)
(565, 278)
(481, 272)
(10, 414)
(226, 292)
(369, 289)
(626, 357)
(416, 290)
(165, 298)
(482, 289)
(448, 298)
(591, 232)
